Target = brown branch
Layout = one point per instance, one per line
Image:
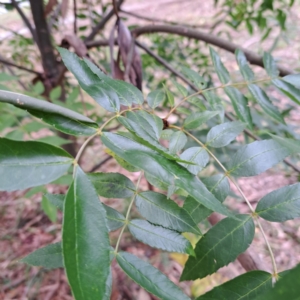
(102, 23)
(252, 57)
(96, 167)
(25, 19)
(9, 63)
(75, 16)
(227, 115)
(249, 259)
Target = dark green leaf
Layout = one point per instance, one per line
(163, 169)
(155, 98)
(270, 65)
(198, 80)
(49, 209)
(197, 155)
(293, 79)
(56, 199)
(243, 65)
(115, 220)
(177, 141)
(288, 89)
(280, 205)
(28, 164)
(103, 94)
(196, 119)
(61, 118)
(262, 98)
(112, 185)
(222, 72)
(247, 286)
(221, 135)
(219, 186)
(127, 92)
(49, 257)
(148, 277)
(159, 237)
(219, 246)
(240, 105)
(286, 288)
(159, 210)
(86, 248)
(257, 157)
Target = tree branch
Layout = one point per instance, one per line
(25, 19)
(102, 23)
(227, 115)
(252, 57)
(75, 16)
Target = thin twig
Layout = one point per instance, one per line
(9, 63)
(97, 166)
(75, 16)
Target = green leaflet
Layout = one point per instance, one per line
(49, 209)
(112, 185)
(49, 257)
(219, 246)
(163, 169)
(293, 79)
(169, 96)
(247, 286)
(280, 205)
(61, 118)
(56, 199)
(257, 157)
(103, 94)
(270, 65)
(150, 278)
(155, 98)
(28, 164)
(246, 71)
(291, 144)
(115, 220)
(240, 105)
(159, 210)
(221, 135)
(219, 186)
(159, 237)
(197, 155)
(177, 142)
(222, 72)
(288, 89)
(196, 119)
(85, 240)
(198, 80)
(262, 98)
(126, 92)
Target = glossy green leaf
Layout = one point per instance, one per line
(288, 89)
(257, 157)
(112, 185)
(159, 210)
(247, 286)
(61, 118)
(280, 205)
(148, 277)
(286, 288)
(49, 209)
(222, 72)
(28, 164)
(194, 120)
(270, 65)
(197, 155)
(293, 79)
(104, 95)
(223, 134)
(219, 186)
(85, 240)
(220, 246)
(177, 141)
(126, 92)
(155, 98)
(159, 237)
(49, 257)
(240, 105)
(115, 220)
(169, 96)
(245, 69)
(198, 80)
(263, 100)
(163, 169)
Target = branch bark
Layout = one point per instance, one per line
(9, 63)
(102, 23)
